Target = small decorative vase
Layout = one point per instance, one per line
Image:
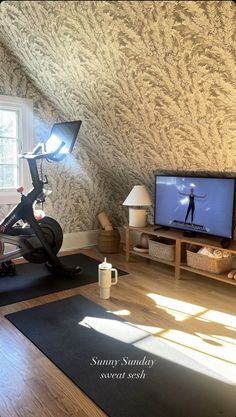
(144, 238)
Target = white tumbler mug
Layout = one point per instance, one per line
(105, 279)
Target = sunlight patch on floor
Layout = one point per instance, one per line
(203, 343)
(204, 363)
(226, 339)
(177, 307)
(216, 351)
(177, 315)
(120, 312)
(201, 353)
(220, 318)
(149, 329)
(119, 330)
(188, 358)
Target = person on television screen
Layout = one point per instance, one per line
(191, 205)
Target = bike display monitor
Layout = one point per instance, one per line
(62, 133)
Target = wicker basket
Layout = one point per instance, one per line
(205, 263)
(162, 248)
(109, 241)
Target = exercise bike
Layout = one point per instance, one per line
(39, 241)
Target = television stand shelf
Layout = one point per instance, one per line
(180, 250)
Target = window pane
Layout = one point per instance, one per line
(8, 176)
(8, 151)
(8, 123)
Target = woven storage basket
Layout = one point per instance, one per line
(109, 241)
(162, 248)
(205, 263)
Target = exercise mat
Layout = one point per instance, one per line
(126, 371)
(34, 280)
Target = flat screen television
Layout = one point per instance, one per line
(195, 204)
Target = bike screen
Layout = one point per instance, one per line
(66, 133)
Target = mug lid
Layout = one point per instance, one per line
(105, 264)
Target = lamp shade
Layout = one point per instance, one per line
(138, 196)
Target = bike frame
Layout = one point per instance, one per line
(28, 239)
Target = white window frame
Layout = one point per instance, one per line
(24, 108)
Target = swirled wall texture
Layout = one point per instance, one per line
(154, 83)
(76, 183)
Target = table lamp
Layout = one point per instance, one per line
(137, 199)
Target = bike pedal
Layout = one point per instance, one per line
(3, 270)
(11, 268)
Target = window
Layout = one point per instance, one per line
(16, 130)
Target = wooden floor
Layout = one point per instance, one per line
(195, 315)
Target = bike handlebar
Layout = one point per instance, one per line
(44, 155)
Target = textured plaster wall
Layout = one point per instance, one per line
(153, 81)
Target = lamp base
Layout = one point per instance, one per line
(137, 217)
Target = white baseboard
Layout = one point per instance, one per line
(72, 241)
(79, 240)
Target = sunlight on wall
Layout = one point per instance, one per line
(73, 165)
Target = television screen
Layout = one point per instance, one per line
(196, 204)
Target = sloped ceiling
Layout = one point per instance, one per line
(76, 182)
(153, 82)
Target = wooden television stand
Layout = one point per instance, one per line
(180, 241)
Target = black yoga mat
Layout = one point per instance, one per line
(34, 280)
(123, 369)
